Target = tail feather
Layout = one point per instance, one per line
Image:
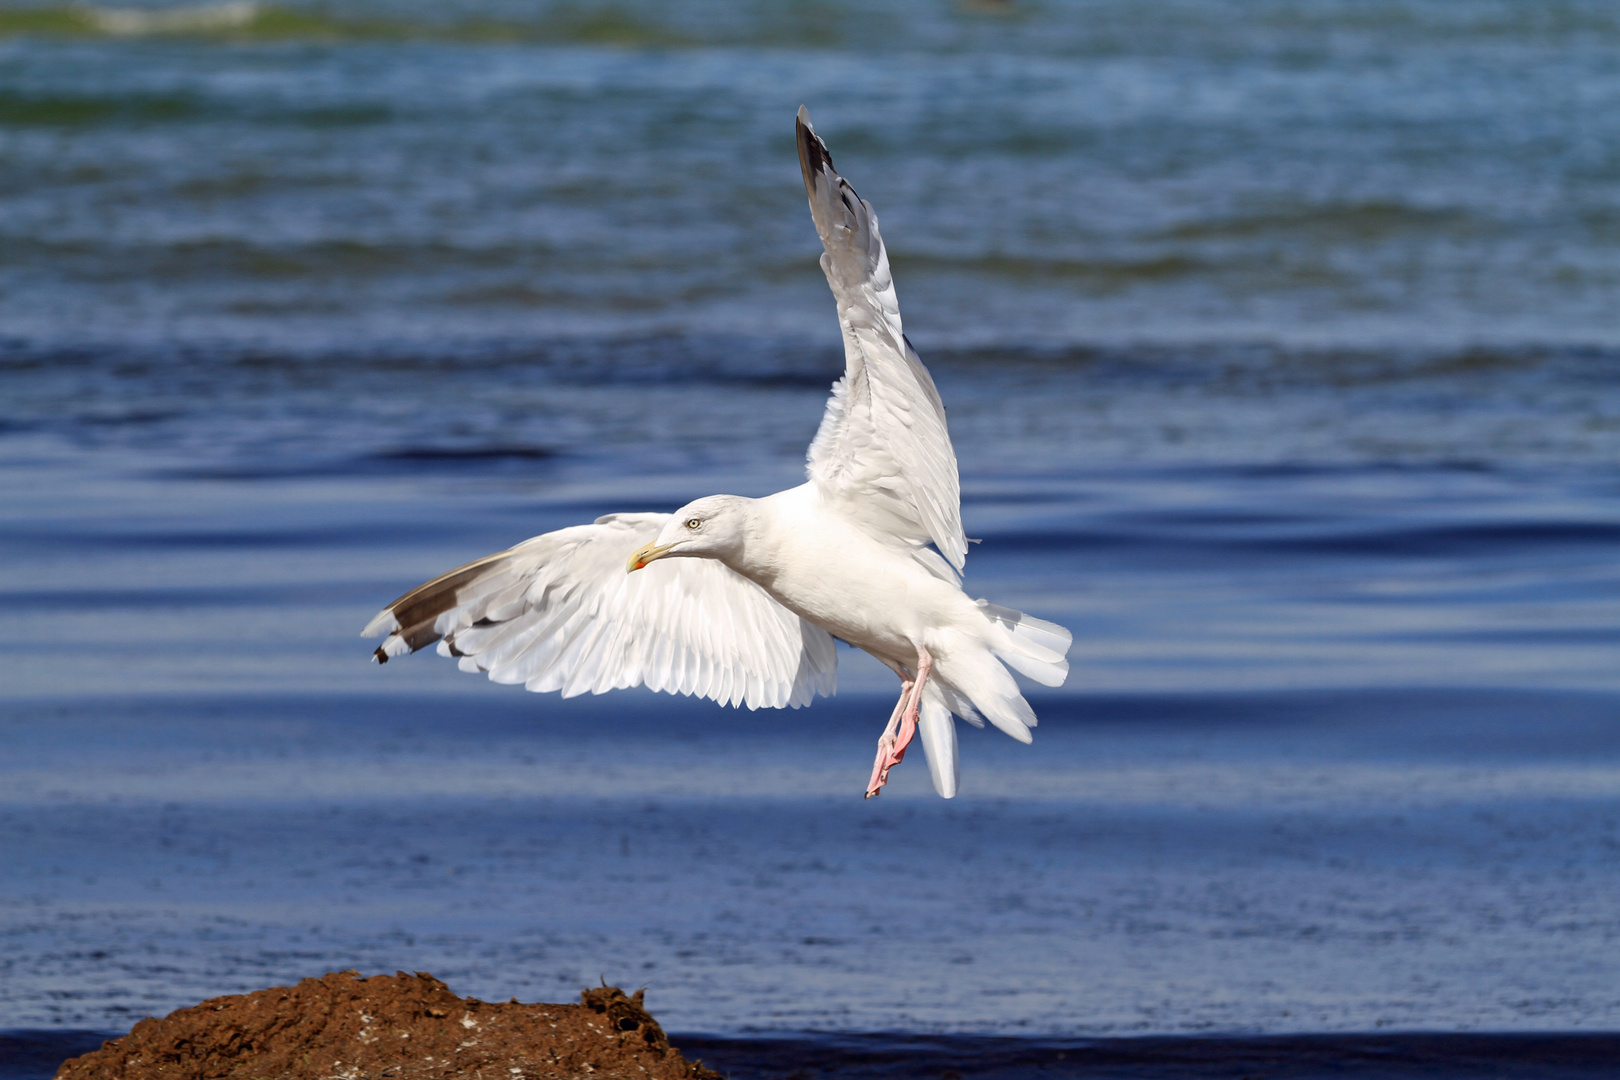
(958, 702)
(1010, 713)
(972, 677)
(976, 674)
(1035, 648)
(938, 732)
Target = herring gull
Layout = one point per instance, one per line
(739, 599)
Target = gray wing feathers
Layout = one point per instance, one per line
(883, 442)
(559, 612)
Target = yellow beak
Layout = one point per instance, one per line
(644, 555)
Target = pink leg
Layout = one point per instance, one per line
(880, 767)
(892, 745)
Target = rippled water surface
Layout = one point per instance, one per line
(1282, 357)
(1434, 175)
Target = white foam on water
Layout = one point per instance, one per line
(200, 18)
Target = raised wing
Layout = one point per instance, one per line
(559, 612)
(882, 447)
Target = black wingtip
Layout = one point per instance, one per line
(382, 657)
(813, 155)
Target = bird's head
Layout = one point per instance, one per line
(713, 527)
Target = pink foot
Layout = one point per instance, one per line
(891, 744)
(891, 752)
(882, 764)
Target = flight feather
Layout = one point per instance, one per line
(558, 612)
(882, 449)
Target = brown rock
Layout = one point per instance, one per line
(399, 1027)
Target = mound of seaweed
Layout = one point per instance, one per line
(405, 1027)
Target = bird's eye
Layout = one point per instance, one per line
(692, 523)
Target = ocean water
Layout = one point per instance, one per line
(1281, 343)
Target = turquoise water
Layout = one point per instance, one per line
(1282, 357)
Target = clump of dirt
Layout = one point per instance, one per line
(403, 1027)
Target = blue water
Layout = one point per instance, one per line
(1281, 347)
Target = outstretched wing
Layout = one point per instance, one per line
(882, 448)
(559, 612)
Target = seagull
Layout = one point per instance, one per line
(740, 599)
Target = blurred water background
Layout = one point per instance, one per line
(1281, 340)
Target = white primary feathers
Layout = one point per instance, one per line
(739, 599)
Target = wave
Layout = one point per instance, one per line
(76, 110)
(1031, 29)
(792, 362)
(252, 20)
(1168, 538)
(1350, 220)
(1120, 270)
(202, 19)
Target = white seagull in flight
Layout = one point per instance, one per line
(739, 599)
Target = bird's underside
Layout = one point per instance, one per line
(737, 599)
